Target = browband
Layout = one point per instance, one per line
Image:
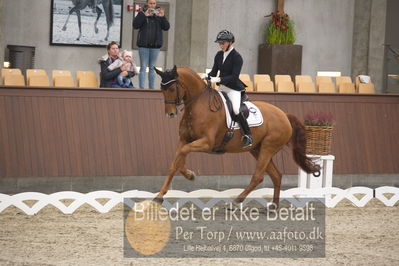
(170, 81)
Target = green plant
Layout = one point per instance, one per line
(319, 119)
(280, 29)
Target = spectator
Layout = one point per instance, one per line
(151, 22)
(108, 78)
(126, 58)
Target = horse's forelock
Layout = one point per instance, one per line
(168, 75)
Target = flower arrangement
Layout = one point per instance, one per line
(280, 29)
(319, 119)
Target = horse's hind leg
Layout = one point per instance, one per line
(276, 177)
(80, 24)
(106, 37)
(99, 12)
(263, 158)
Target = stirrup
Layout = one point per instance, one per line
(247, 141)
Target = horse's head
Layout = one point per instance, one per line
(172, 92)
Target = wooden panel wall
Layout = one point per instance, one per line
(74, 132)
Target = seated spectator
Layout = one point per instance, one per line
(126, 58)
(108, 78)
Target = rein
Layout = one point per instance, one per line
(215, 95)
(179, 101)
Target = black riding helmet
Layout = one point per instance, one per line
(225, 36)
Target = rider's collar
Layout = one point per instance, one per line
(225, 54)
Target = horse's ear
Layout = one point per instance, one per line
(174, 72)
(159, 72)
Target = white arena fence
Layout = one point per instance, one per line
(331, 195)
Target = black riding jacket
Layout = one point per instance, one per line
(229, 70)
(150, 30)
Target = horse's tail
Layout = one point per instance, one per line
(109, 11)
(298, 141)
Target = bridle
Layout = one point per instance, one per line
(178, 101)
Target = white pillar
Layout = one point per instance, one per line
(325, 162)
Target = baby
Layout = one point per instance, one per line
(124, 59)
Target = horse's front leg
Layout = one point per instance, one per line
(99, 11)
(200, 145)
(106, 37)
(69, 14)
(187, 173)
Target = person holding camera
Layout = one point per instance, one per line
(150, 22)
(229, 62)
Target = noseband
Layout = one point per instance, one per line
(178, 101)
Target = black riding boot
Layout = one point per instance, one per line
(247, 138)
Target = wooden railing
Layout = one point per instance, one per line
(118, 132)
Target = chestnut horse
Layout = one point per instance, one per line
(203, 127)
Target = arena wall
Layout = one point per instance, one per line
(104, 132)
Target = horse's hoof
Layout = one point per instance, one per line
(78, 39)
(64, 28)
(96, 31)
(158, 200)
(190, 176)
(272, 207)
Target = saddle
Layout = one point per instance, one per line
(230, 131)
(243, 107)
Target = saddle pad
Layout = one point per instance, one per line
(254, 119)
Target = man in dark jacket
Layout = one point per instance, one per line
(108, 77)
(150, 22)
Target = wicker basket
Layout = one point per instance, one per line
(318, 140)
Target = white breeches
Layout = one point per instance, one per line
(234, 96)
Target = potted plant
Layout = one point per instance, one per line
(319, 126)
(280, 29)
(279, 55)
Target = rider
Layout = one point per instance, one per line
(229, 62)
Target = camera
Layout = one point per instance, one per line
(154, 11)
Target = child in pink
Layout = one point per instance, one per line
(126, 58)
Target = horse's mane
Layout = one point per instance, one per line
(189, 71)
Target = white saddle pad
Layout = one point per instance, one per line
(254, 119)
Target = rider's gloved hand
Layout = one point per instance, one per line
(215, 79)
(204, 76)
